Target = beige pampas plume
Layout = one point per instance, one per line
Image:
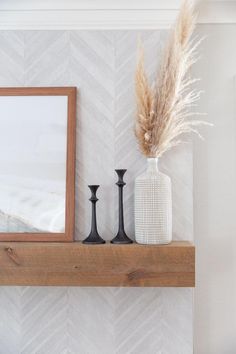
(163, 110)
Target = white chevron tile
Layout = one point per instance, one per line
(137, 319)
(91, 321)
(176, 321)
(44, 314)
(46, 61)
(10, 320)
(12, 58)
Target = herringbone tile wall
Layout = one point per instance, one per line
(98, 320)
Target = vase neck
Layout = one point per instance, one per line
(152, 165)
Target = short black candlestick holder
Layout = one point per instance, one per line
(121, 237)
(94, 237)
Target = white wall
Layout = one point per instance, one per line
(215, 195)
(215, 220)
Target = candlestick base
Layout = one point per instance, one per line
(94, 239)
(121, 238)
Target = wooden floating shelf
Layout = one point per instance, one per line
(76, 264)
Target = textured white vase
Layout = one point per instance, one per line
(153, 206)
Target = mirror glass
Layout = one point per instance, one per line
(33, 140)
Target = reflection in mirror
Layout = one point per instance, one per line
(33, 141)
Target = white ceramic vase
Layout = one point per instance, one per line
(153, 206)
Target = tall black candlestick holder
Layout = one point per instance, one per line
(121, 237)
(94, 237)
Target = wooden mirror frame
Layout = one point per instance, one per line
(68, 235)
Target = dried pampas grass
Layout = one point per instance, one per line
(163, 109)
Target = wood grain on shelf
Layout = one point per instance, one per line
(75, 264)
